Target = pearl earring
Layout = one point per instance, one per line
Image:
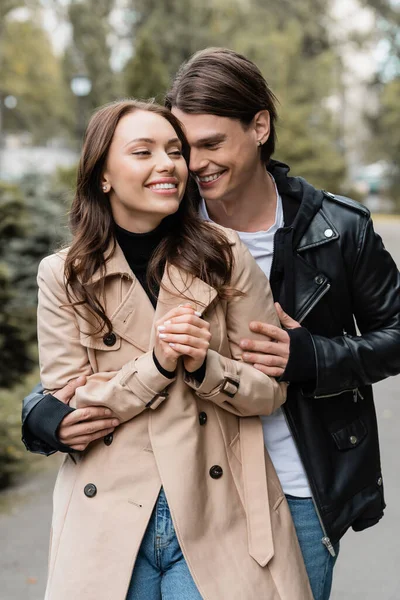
(104, 188)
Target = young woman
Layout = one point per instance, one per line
(150, 303)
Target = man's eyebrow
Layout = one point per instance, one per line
(151, 141)
(210, 139)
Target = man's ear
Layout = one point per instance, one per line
(261, 123)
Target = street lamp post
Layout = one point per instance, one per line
(81, 87)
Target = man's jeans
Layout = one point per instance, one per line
(160, 570)
(319, 563)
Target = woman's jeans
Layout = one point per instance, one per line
(319, 563)
(160, 570)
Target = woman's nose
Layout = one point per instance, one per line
(165, 164)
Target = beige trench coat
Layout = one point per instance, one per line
(235, 532)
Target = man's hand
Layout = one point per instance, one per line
(67, 392)
(83, 425)
(272, 354)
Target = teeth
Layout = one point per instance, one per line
(208, 178)
(163, 186)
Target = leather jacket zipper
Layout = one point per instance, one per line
(325, 540)
(356, 394)
(322, 293)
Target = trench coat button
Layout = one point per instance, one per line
(202, 418)
(319, 280)
(90, 490)
(109, 339)
(328, 233)
(108, 439)
(216, 472)
(379, 482)
(353, 439)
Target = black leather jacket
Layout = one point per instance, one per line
(330, 272)
(338, 278)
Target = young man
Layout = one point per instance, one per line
(328, 270)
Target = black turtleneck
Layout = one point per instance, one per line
(138, 249)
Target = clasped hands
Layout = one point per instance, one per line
(180, 333)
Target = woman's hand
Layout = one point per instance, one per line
(182, 332)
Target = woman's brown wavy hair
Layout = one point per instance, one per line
(190, 243)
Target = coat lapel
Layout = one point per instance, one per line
(133, 320)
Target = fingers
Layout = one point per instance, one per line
(184, 309)
(80, 429)
(267, 360)
(186, 330)
(278, 349)
(189, 318)
(273, 332)
(196, 353)
(270, 371)
(68, 391)
(186, 334)
(284, 318)
(80, 443)
(90, 413)
(185, 340)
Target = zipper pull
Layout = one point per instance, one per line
(355, 395)
(360, 394)
(328, 545)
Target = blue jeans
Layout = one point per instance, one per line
(160, 571)
(319, 563)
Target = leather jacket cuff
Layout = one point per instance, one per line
(39, 431)
(302, 363)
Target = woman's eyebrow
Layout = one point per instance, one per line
(151, 141)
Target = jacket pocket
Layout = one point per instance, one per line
(350, 436)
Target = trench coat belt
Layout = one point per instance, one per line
(259, 529)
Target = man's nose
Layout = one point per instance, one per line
(198, 162)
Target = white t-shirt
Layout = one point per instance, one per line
(277, 437)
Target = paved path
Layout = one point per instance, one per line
(368, 566)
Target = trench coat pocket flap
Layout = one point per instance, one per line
(98, 343)
(350, 436)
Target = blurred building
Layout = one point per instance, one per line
(18, 157)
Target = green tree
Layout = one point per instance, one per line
(385, 123)
(47, 201)
(90, 51)
(14, 350)
(32, 73)
(288, 40)
(145, 74)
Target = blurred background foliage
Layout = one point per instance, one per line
(117, 48)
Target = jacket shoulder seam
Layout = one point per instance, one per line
(348, 202)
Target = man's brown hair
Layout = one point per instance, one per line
(221, 82)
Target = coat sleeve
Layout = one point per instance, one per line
(127, 392)
(230, 383)
(348, 362)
